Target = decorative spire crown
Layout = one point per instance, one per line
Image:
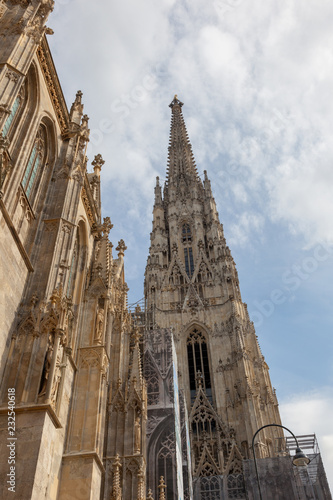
(175, 101)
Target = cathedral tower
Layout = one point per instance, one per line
(192, 288)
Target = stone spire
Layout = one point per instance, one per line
(192, 286)
(181, 164)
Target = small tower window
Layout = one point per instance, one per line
(186, 233)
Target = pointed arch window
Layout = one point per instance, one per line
(151, 377)
(166, 463)
(210, 488)
(189, 263)
(186, 233)
(33, 170)
(197, 354)
(73, 266)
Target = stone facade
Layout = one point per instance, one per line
(73, 358)
(67, 345)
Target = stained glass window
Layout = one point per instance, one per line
(32, 172)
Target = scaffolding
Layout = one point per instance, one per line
(312, 476)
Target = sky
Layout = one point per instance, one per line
(256, 80)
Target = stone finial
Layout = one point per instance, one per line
(107, 225)
(78, 97)
(174, 248)
(162, 487)
(121, 248)
(97, 164)
(150, 495)
(176, 101)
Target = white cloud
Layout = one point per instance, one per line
(248, 226)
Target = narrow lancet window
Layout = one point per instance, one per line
(198, 364)
(8, 127)
(189, 264)
(33, 170)
(73, 267)
(188, 254)
(11, 117)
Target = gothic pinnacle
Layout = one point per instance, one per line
(181, 162)
(76, 111)
(158, 192)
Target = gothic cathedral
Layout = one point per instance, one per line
(96, 401)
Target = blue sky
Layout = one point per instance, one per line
(256, 80)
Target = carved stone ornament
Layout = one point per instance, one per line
(53, 91)
(25, 205)
(12, 76)
(4, 109)
(5, 165)
(87, 206)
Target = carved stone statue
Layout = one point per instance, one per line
(56, 380)
(46, 368)
(99, 326)
(137, 435)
